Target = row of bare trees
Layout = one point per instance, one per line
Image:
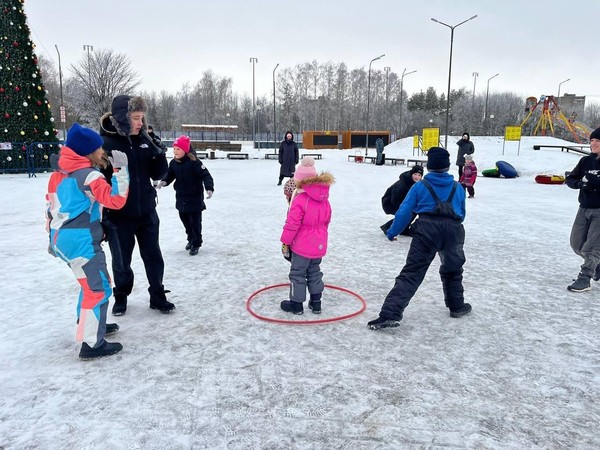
(309, 96)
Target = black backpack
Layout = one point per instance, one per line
(442, 209)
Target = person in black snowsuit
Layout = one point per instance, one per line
(191, 178)
(585, 233)
(288, 157)
(440, 205)
(395, 194)
(465, 147)
(124, 129)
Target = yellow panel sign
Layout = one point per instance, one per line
(416, 141)
(512, 133)
(431, 138)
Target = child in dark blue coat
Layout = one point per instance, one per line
(191, 179)
(441, 210)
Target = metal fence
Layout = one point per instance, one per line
(27, 157)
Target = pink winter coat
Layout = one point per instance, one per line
(305, 229)
(469, 176)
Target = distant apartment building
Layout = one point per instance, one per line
(572, 106)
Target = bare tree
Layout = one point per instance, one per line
(98, 78)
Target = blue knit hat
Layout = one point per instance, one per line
(83, 141)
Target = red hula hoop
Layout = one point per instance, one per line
(305, 322)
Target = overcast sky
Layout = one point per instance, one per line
(532, 45)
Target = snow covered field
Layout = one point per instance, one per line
(522, 371)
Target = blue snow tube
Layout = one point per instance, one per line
(506, 170)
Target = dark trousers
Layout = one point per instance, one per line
(193, 227)
(469, 189)
(122, 233)
(460, 170)
(406, 232)
(431, 235)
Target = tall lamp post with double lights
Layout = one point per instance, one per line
(63, 114)
(559, 85)
(253, 61)
(387, 79)
(404, 73)
(452, 27)
(487, 95)
(88, 49)
(274, 122)
(368, 102)
(475, 75)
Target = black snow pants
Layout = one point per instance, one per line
(431, 235)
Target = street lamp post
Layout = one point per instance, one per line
(475, 75)
(387, 77)
(274, 122)
(487, 94)
(258, 126)
(63, 115)
(559, 85)
(450, 69)
(368, 103)
(88, 49)
(404, 73)
(253, 61)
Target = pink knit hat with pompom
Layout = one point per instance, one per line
(183, 142)
(306, 169)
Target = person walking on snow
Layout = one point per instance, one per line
(469, 176)
(76, 194)
(288, 157)
(585, 233)
(305, 236)
(191, 178)
(438, 229)
(465, 147)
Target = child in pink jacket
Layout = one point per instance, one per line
(469, 176)
(305, 236)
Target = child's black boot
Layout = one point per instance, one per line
(314, 304)
(120, 305)
(383, 322)
(293, 307)
(105, 349)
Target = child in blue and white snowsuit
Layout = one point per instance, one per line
(438, 229)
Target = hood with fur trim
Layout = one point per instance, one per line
(117, 121)
(316, 187)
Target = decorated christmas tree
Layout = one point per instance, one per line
(25, 114)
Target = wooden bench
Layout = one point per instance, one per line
(567, 148)
(394, 161)
(202, 155)
(314, 155)
(237, 156)
(370, 159)
(271, 156)
(416, 161)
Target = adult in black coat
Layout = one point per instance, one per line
(465, 147)
(396, 193)
(288, 157)
(124, 129)
(191, 179)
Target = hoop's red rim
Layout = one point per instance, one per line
(305, 322)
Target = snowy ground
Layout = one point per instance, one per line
(522, 371)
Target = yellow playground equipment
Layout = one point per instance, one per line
(551, 116)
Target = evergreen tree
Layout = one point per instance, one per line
(25, 112)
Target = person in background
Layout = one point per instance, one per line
(465, 147)
(76, 193)
(469, 176)
(288, 157)
(438, 229)
(395, 195)
(124, 129)
(379, 146)
(191, 179)
(289, 190)
(585, 233)
(305, 236)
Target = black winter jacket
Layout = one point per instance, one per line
(589, 197)
(288, 157)
(464, 148)
(191, 178)
(396, 193)
(146, 162)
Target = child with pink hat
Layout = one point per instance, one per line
(305, 236)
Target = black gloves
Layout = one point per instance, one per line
(593, 178)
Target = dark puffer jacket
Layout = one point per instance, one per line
(464, 148)
(146, 162)
(288, 156)
(396, 193)
(191, 178)
(589, 196)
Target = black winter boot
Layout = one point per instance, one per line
(462, 311)
(188, 246)
(293, 307)
(314, 304)
(120, 305)
(106, 349)
(581, 284)
(383, 322)
(597, 273)
(111, 328)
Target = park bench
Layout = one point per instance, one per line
(237, 156)
(574, 148)
(271, 156)
(414, 162)
(202, 155)
(314, 155)
(394, 161)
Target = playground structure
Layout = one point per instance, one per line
(551, 116)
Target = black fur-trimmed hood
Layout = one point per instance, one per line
(117, 121)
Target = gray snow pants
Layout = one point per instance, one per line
(585, 239)
(305, 273)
